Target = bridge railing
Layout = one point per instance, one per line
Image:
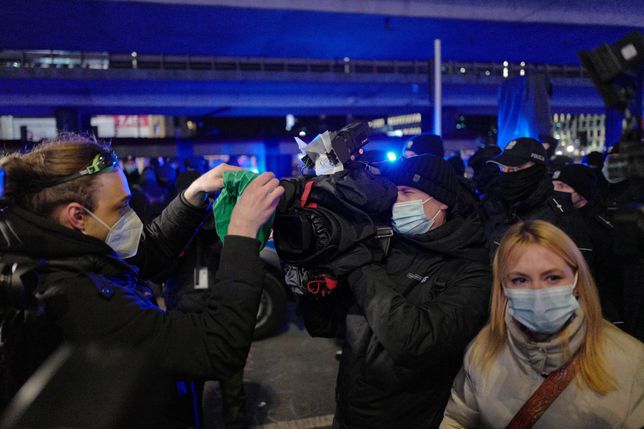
(419, 68)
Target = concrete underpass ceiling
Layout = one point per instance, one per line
(528, 30)
(532, 31)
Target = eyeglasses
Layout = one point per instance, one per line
(101, 162)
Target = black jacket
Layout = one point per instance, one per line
(90, 295)
(606, 263)
(407, 324)
(180, 291)
(542, 204)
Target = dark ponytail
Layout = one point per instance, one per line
(60, 157)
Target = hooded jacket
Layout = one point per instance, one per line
(89, 295)
(490, 399)
(407, 324)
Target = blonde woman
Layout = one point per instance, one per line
(546, 326)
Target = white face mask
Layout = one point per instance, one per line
(545, 310)
(125, 235)
(613, 175)
(409, 217)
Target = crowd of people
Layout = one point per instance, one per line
(491, 296)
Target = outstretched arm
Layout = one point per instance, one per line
(165, 237)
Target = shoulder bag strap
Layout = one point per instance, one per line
(544, 396)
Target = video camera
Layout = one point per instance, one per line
(345, 143)
(617, 71)
(321, 217)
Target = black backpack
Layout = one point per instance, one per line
(26, 339)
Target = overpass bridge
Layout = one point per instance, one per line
(39, 82)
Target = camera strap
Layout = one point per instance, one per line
(303, 281)
(322, 285)
(383, 235)
(305, 195)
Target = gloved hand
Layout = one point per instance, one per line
(364, 253)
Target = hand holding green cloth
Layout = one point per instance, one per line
(234, 184)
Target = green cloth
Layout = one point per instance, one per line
(234, 184)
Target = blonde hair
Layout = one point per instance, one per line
(67, 154)
(591, 366)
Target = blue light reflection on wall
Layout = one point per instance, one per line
(524, 109)
(250, 155)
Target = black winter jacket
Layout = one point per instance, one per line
(606, 263)
(543, 204)
(90, 295)
(407, 324)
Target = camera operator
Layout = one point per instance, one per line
(67, 205)
(408, 317)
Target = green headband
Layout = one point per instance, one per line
(101, 162)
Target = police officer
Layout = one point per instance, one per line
(485, 175)
(525, 193)
(578, 183)
(595, 161)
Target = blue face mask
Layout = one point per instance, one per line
(544, 311)
(409, 218)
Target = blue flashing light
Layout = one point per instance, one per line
(392, 156)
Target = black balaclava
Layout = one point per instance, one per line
(521, 184)
(564, 197)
